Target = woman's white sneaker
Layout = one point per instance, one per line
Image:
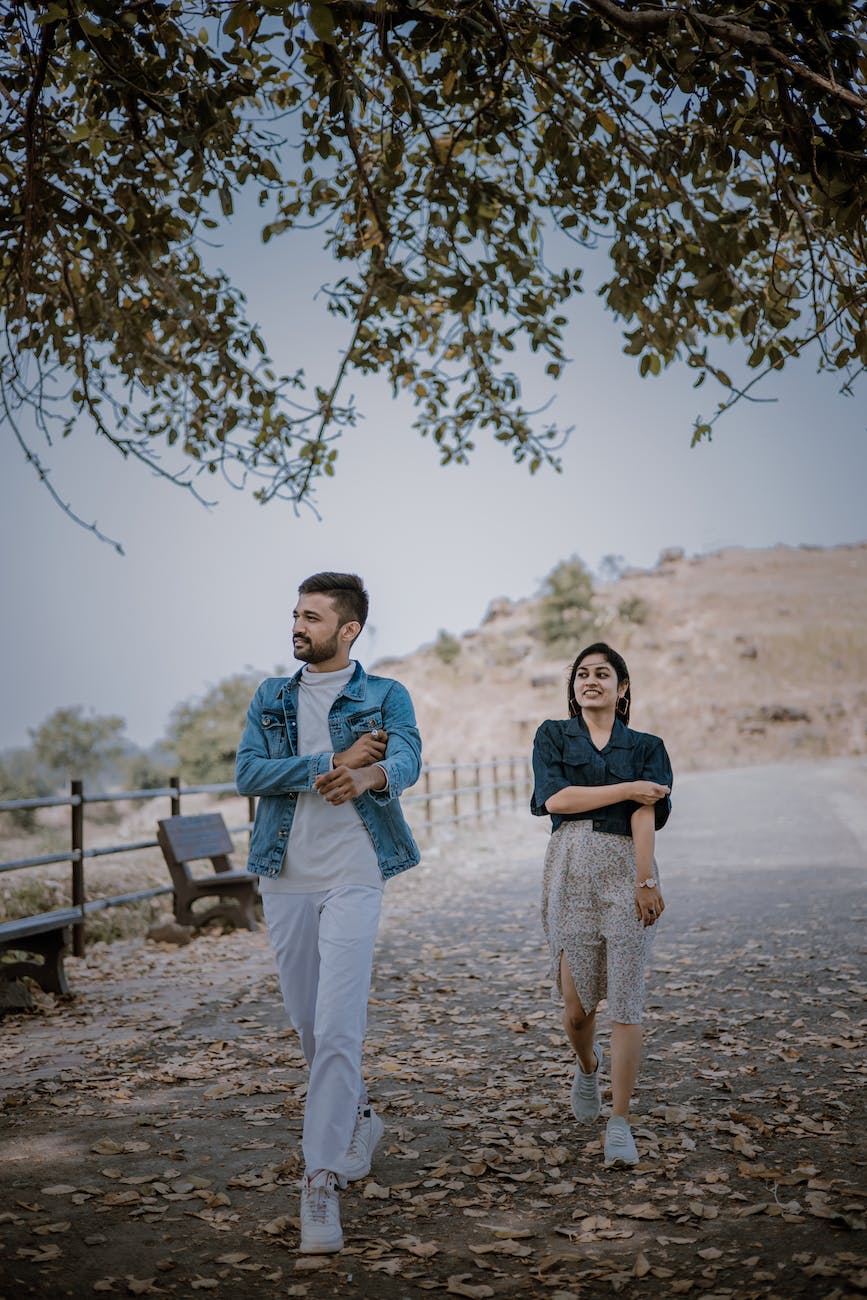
(366, 1136)
(586, 1096)
(321, 1233)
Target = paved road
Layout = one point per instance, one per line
(150, 1126)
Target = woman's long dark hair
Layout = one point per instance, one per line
(618, 663)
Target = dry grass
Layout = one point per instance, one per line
(727, 638)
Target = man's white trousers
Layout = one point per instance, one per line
(323, 944)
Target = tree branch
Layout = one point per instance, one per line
(652, 22)
(31, 163)
(45, 478)
(335, 63)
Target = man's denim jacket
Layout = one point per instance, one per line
(564, 754)
(269, 766)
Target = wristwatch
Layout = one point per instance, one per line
(649, 883)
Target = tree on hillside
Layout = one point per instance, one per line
(70, 743)
(203, 734)
(566, 617)
(715, 149)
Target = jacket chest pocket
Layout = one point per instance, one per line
(588, 767)
(621, 767)
(274, 730)
(367, 720)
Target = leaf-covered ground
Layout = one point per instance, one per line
(151, 1122)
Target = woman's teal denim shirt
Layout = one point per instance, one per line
(268, 765)
(564, 754)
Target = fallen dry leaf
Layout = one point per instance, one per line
(643, 1211)
(140, 1285)
(457, 1285)
(641, 1267)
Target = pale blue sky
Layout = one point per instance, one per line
(203, 593)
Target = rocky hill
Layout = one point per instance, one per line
(738, 657)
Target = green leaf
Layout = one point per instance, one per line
(322, 21)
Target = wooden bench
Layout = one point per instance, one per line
(192, 839)
(45, 935)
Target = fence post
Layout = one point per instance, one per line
(428, 803)
(478, 784)
(513, 784)
(496, 780)
(175, 783)
(76, 791)
(456, 803)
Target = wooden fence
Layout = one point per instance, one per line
(447, 794)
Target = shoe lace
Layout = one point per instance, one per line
(318, 1202)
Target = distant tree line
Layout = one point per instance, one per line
(200, 741)
(202, 734)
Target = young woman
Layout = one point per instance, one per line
(606, 789)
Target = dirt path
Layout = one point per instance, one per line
(150, 1126)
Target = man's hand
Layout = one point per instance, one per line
(343, 782)
(369, 748)
(647, 792)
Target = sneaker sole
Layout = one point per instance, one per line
(322, 1247)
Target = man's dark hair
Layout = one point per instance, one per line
(346, 591)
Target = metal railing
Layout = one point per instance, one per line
(443, 800)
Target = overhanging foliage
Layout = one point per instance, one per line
(715, 149)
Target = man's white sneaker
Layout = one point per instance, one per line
(321, 1233)
(619, 1143)
(368, 1131)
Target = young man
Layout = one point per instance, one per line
(329, 751)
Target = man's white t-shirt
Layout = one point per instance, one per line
(328, 844)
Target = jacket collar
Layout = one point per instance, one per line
(355, 688)
(622, 737)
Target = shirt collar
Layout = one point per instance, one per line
(621, 736)
(354, 689)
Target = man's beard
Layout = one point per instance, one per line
(311, 654)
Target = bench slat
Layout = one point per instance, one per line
(39, 924)
(201, 836)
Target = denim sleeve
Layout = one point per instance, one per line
(549, 771)
(656, 766)
(259, 774)
(402, 762)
